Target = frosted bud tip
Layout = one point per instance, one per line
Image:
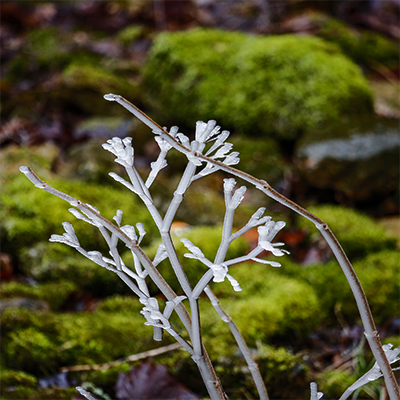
(110, 97)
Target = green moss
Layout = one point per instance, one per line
(45, 49)
(260, 158)
(130, 34)
(40, 394)
(269, 304)
(41, 343)
(93, 77)
(32, 351)
(120, 304)
(358, 234)
(283, 372)
(47, 46)
(364, 47)
(259, 85)
(40, 158)
(334, 383)
(26, 219)
(378, 274)
(54, 293)
(48, 262)
(16, 378)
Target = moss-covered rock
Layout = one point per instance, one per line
(366, 48)
(41, 158)
(378, 274)
(41, 342)
(14, 378)
(260, 158)
(49, 262)
(284, 373)
(120, 304)
(90, 82)
(269, 304)
(27, 219)
(54, 293)
(358, 234)
(259, 85)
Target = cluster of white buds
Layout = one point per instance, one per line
(122, 149)
(69, 237)
(375, 372)
(151, 311)
(220, 271)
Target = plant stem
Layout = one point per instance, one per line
(253, 367)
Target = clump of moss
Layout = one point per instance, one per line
(129, 34)
(40, 158)
(260, 158)
(283, 372)
(334, 383)
(358, 234)
(54, 293)
(366, 48)
(378, 273)
(49, 262)
(120, 304)
(16, 378)
(95, 78)
(40, 343)
(269, 304)
(279, 85)
(27, 219)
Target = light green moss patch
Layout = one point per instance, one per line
(279, 85)
(358, 234)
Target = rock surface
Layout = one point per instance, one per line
(360, 161)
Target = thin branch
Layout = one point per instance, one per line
(132, 358)
(253, 367)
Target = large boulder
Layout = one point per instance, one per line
(280, 85)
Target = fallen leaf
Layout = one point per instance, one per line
(151, 381)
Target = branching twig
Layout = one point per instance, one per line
(132, 358)
(355, 285)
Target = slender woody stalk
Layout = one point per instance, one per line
(371, 333)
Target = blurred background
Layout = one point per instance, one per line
(310, 93)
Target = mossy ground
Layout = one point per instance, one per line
(277, 305)
(261, 87)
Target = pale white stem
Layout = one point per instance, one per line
(226, 236)
(144, 195)
(154, 171)
(253, 367)
(85, 393)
